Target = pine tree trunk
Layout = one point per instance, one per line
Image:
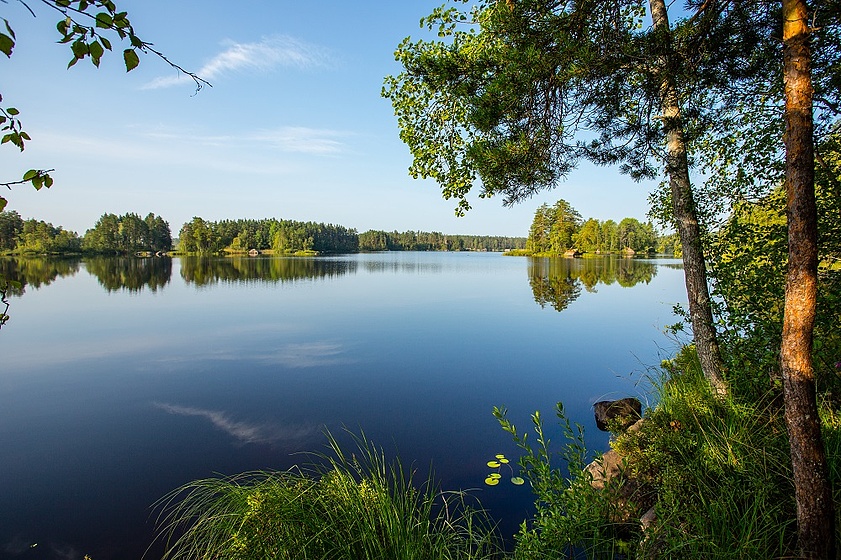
(683, 207)
(812, 489)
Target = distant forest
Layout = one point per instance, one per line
(129, 234)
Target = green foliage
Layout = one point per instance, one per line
(128, 234)
(281, 236)
(38, 237)
(499, 99)
(748, 258)
(558, 228)
(717, 470)
(11, 225)
(357, 506)
(375, 240)
(572, 519)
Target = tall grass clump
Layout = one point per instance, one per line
(717, 471)
(356, 506)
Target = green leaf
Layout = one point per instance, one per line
(105, 42)
(12, 111)
(131, 59)
(491, 481)
(31, 174)
(9, 28)
(6, 44)
(517, 480)
(104, 20)
(493, 464)
(3, 203)
(62, 3)
(80, 49)
(48, 181)
(96, 51)
(63, 27)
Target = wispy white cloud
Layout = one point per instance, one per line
(279, 51)
(245, 432)
(290, 139)
(308, 354)
(303, 140)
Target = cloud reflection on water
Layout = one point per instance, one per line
(245, 432)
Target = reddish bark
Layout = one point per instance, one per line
(813, 492)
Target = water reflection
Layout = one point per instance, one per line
(243, 432)
(130, 273)
(558, 281)
(203, 271)
(35, 272)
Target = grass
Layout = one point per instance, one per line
(717, 471)
(354, 507)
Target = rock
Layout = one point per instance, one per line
(628, 411)
(608, 475)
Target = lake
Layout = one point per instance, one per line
(123, 378)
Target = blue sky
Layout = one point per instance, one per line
(294, 126)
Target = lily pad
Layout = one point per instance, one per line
(517, 480)
(500, 456)
(504, 461)
(495, 475)
(493, 464)
(491, 481)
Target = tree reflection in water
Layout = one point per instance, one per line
(559, 281)
(203, 271)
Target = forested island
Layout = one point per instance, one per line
(559, 229)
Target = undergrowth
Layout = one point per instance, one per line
(343, 507)
(715, 474)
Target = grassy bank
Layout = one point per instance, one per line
(710, 477)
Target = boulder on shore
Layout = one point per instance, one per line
(626, 411)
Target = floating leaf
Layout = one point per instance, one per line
(493, 464)
(500, 456)
(504, 461)
(517, 480)
(490, 481)
(494, 475)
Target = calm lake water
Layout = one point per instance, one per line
(121, 379)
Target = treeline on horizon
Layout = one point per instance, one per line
(129, 234)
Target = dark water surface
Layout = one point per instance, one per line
(121, 379)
